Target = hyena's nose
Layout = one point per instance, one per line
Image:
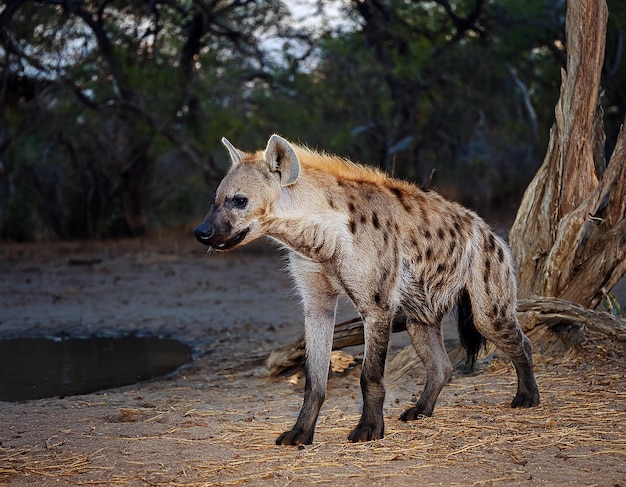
(203, 233)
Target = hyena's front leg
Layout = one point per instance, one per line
(371, 425)
(320, 305)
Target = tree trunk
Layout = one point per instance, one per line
(569, 237)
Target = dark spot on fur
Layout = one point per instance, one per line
(375, 221)
(353, 226)
(441, 234)
(385, 237)
(351, 207)
(363, 219)
(500, 255)
(377, 298)
(492, 242)
(498, 325)
(398, 193)
(418, 258)
(427, 235)
(429, 253)
(441, 267)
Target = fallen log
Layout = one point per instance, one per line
(533, 313)
(347, 333)
(551, 312)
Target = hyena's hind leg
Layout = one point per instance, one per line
(427, 339)
(499, 324)
(492, 293)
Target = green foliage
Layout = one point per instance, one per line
(612, 305)
(113, 111)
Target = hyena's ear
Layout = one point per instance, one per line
(235, 154)
(281, 157)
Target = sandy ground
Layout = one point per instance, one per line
(215, 421)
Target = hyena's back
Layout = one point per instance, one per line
(420, 251)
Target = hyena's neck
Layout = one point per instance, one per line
(308, 225)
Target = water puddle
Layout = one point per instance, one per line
(34, 368)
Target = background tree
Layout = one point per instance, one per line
(112, 111)
(457, 87)
(94, 91)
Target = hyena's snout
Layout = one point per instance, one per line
(204, 233)
(219, 239)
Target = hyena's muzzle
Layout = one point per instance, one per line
(216, 232)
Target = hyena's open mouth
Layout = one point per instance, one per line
(229, 244)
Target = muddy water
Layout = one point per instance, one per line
(34, 368)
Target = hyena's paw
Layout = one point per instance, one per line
(295, 436)
(367, 432)
(525, 400)
(414, 413)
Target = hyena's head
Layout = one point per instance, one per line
(245, 198)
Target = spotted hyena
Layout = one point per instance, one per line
(392, 248)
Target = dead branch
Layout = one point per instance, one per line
(541, 310)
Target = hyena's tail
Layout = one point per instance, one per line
(471, 339)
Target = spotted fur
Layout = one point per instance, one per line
(388, 245)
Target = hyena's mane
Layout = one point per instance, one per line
(341, 168)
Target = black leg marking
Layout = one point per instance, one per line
(371, 425)
(429, 345)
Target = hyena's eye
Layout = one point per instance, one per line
(239, 202)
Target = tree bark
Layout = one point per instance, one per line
(569, 236)
(568, 239)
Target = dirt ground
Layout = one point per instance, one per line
(215, 421)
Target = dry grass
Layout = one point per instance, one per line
(581, 424)
(31, 462)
